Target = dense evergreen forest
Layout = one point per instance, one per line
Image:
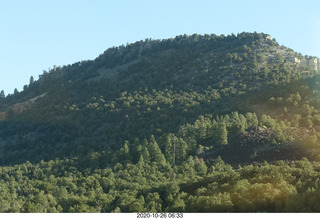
(199, 123)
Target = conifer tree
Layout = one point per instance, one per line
(2, 95)
(155, 152)
(31, 80)
(175, 149)
(222, 134)
(145, 154)
(125, 153)
(169, 149)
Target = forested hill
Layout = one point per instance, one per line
(163, 125)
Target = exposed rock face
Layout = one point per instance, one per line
(288, 55)
(293, 60)
(312, 62)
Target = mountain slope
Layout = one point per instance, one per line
(147, 88)
(193, 123)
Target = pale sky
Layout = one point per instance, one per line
(37, 34)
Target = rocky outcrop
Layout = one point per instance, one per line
(255, 136)
(312, 62)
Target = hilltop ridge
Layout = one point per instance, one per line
(205, 53)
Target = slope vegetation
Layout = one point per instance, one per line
(199, 123)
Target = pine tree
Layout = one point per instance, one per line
(141, 162)
(170, 149)
(31, 80)
(145, 154)
(2, 95)
(175, 149)
(181, 149)
(252, 120)
(155, 152)
(125, 153)
(222, 134)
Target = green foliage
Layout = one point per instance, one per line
(191, 187)
(138, 130)
(222, 134)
